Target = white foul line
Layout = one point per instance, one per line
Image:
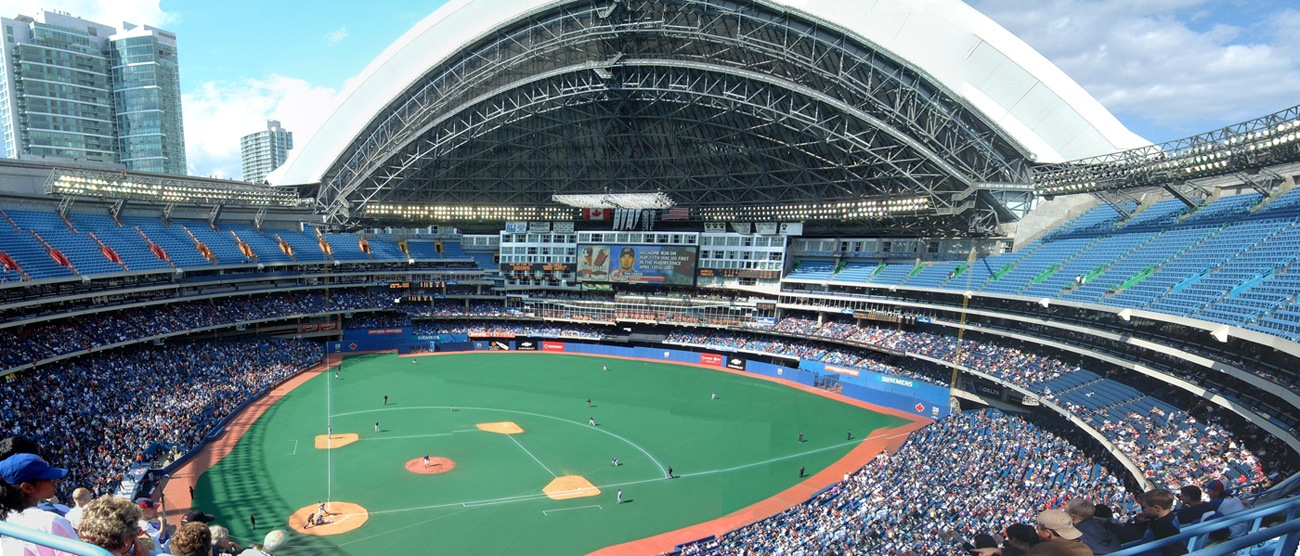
(530, 454)
(548, 512)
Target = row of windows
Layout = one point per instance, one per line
(44, 105)
(638, 237)
(742, 265)
(63, 91)
(535, 250)
(538, 238)
(58, 74)
(742, 255)
(742, 241)
(41, 123)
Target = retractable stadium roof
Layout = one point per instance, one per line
(813, 110)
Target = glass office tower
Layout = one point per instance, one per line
(75, 89)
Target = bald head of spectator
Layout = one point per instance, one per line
(81, 496)
(111, 523)
(275, 540)
(192, 539)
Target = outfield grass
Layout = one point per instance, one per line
(727, 453)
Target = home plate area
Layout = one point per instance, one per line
(338, 518)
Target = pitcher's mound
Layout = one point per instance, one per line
(327, 441)
(570, 486)
(436, 465)
(340, 517)
(504, 427)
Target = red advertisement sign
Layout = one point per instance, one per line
(319, 326)
(492, 334)
(552, 346)
(384, 331)
(842, 370)
(711, 359)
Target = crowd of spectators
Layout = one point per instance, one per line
(97, 414)
(458, 308)
(428, 330)
(923, 501)
(1171, 447)
(374, 320)
(845, 356)
(51, 339)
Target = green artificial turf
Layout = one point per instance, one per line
(727, 453)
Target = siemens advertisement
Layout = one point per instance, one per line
(637, 264)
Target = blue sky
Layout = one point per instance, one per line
(1166, 68)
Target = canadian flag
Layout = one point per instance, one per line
(597, 214)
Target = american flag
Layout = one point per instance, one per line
(676, 213)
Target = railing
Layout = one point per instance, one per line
(1288, 531)
(53, 541)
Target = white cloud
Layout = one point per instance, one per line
(1164, 62)
(334, 37)
(140, 12)
(217, 114)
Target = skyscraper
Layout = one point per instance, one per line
(264, 151)
(75, 89)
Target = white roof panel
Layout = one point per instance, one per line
(1014, 86)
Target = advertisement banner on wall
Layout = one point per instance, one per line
(711, 359)
(526, 345)
(637, 264)
(842, 370)
(553, 346)
(736, 362)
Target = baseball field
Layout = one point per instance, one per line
(516, 464)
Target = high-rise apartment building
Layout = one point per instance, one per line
(264, 151)
(75, 89)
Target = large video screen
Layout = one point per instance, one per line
(637, 264)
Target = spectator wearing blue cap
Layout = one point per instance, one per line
(25, 480)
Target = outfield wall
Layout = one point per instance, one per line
(903, 394)
(900, 393)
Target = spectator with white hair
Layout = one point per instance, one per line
(221, 543)
(274, 541)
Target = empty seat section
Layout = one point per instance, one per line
(172, 239)
(812, 270)
(306, 247)
(453, 250)
(220, 242)
(125, 241)
(935, 274)
(263, 244)
(81, 250)
(385, 249)
(859, 272)
(346, 247)
(892, 274)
